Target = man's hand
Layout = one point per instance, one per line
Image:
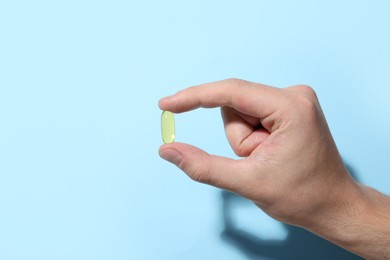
(290, 168)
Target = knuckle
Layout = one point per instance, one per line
(233, 80)
(307, 90)
(309, 109)
(237, 89)
(200, 174)
(306, 102)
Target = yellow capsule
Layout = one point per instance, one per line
(168, 127)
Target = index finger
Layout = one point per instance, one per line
(247, 97)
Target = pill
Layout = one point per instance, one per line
(167, 127)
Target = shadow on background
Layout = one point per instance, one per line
(299, 244)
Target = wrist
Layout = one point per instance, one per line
(357, 218)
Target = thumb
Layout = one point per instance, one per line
(202, 167)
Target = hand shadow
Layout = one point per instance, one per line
(299, 243)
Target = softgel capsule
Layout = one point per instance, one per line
(167, 127)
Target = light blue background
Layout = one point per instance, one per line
(80, 177)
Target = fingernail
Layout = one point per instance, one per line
(171, 155)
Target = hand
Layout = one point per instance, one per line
(290, 168)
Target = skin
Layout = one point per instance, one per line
(290, 165)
